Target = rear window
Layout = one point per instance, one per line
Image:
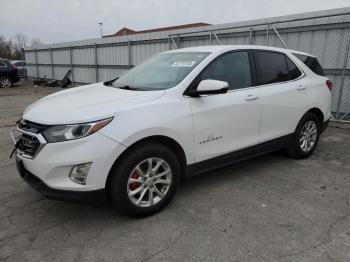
(312, 63)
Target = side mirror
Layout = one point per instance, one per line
(210, 87)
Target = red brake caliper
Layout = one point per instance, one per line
(134, 185)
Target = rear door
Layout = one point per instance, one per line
(224, 123)
(284, 94)
(3, 68)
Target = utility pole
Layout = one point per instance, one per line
(101, 29)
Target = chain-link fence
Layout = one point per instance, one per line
(327, 37)
(325, 34)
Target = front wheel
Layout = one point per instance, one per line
(306, 137)
(145, 180)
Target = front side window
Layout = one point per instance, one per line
(271, 67)
(162, 71)
(233, 68)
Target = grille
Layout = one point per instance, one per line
(28, 144)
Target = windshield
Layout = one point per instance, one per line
(162, 71)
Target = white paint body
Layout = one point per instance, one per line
(241, 118)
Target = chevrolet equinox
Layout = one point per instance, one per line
(182, 112)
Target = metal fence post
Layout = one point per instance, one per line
(279, 36)
(71, 63)
(251, 35)
(178, 41)
(36, 62)
(211, 37)
(341, 88)
(24, 65)
(216, 37)
(129, 53)
(51, 63)
(96, 63)
(267, 34)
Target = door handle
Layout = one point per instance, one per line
(301, 87)
(251, 97)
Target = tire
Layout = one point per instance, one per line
(134, 166)
(307, 125)
(5, 82)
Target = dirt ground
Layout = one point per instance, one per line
(271, 208)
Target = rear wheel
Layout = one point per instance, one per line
(306, 137)
(145, 181)
(5, 82)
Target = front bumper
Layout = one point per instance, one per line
(48, 171)
(93, 197)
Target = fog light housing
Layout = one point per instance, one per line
(79, 173)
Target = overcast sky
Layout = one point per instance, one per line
(68, 20)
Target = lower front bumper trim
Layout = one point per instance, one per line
(86, 197)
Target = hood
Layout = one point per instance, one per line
(85, 104)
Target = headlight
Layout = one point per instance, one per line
(69, 132)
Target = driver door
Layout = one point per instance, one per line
(224, 123)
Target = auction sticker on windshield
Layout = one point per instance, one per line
(183, 63)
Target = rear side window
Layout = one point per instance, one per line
(19, 64)
(271, 67)
(312, 63)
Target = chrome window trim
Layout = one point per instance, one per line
(290, 56)
(259, 86)
(284, 82)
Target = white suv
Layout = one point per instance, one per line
(182, 112)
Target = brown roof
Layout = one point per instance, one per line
(127, 31)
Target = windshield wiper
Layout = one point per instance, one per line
(126, 87)
(110, 82)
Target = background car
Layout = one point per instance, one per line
(8, 73)
(21, 68)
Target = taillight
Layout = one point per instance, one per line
(329, 85)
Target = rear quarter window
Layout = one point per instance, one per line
(312, 63)
(294, 71)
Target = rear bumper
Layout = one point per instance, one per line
(88, 197)
(14, 76)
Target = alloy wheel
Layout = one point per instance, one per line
(5, 82)
(308, 136)
(149, 182)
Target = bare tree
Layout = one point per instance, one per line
(36, 41)
(21, 41)
(13, 49)
(7, 49)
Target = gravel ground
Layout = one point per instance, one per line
(270, 208)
